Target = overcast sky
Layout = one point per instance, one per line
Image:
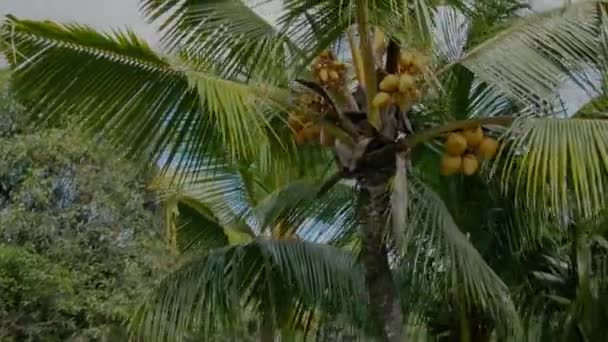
(110, 13)
(98, 13)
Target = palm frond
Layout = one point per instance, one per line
(117, 86)
(315, 25)
(225, 191)
(411, 22)
(213, 292)
(556, 166)
(197, 228)
(485, 100)
(531, 59)
(300, 206)
(450, 33)
(439, 250)
(229, 33)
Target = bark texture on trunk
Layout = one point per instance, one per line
(383, 304)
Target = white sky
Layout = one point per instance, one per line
(98, 13)
(113, 13)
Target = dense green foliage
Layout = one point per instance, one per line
(79, 235)
(35, 296)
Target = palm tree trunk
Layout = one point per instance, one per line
(383, 303)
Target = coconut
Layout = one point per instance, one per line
(470, 164)
(401, 99)
(474, 136)
(334, 75)
(390, 83)
(450, 164)
(487, 148)
(414, 94)
(406, 83)
(412, 62)
(455, 144)
(381, 100)
(323, 75)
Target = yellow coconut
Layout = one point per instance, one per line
(487, 148)
(323, 75)
(407, 58)
(406, 83)
(450, 164)
(413, 62)
(334, 75)
(474, 136)
(381, 100)
(414, 94)
(455, 144)
(470, 164)
(390, 83)
(401, 99)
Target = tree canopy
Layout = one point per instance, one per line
(80, 235)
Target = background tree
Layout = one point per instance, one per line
(80, 235)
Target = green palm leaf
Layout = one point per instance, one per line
(312, 212)
(532, 58)
(314, 25)
(116, 85)
(197, 227)
(228, 32)
(216, 290)
(556, 166)
(439, 250)
(411, 21)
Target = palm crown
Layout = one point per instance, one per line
(270, 118)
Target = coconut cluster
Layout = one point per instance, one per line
(328, 71)
(402, 88)
(465, 149)
(305, 128)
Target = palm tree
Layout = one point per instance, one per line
(238, 86)
(563, 291)
(240, 229)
